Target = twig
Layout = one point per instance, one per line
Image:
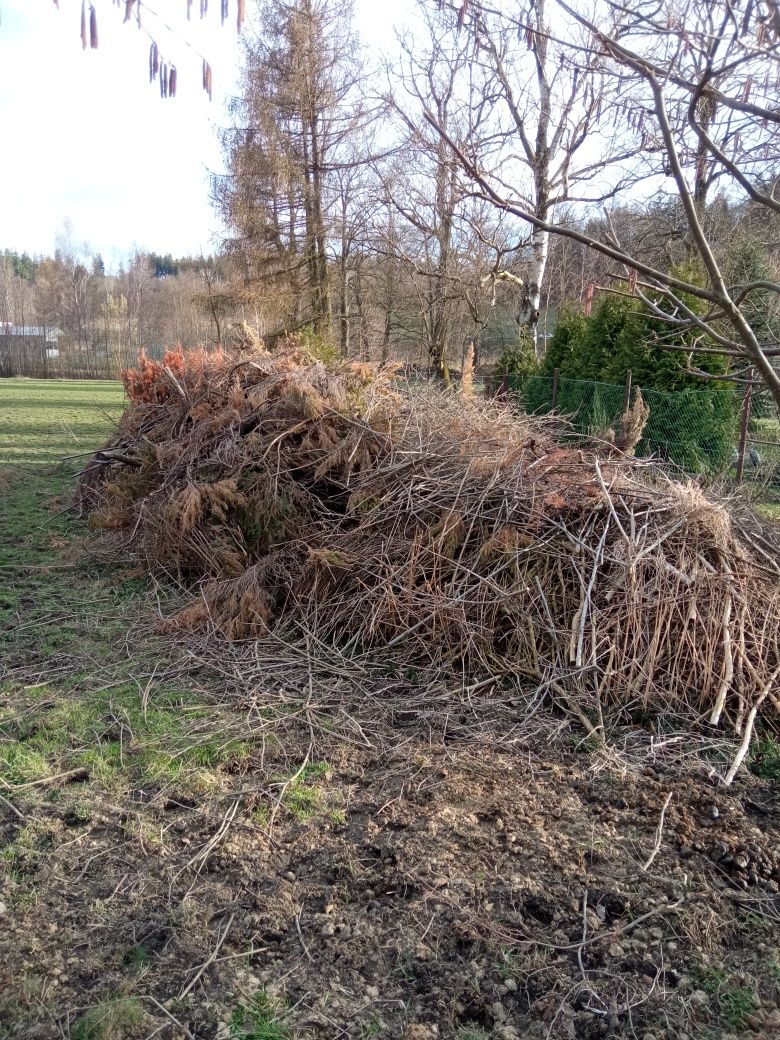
(300, 933)
(743, 747)
(728, 667)
(587, 596)
(168, 1015)
(14, 810)
(176, 384)
(584, 936)
(48, 779)
(659, 831)
(285, 785)
(204, 853)
(577, 710)
(210, 960)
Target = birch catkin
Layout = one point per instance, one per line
(93, 29)
(84, 24)
(207, 78)
(241, 13)
(172, 82)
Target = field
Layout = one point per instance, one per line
(189, 853)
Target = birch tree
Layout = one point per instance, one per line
(549, 103)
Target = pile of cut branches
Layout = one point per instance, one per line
(454, 536)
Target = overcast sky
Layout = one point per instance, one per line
(85, 138)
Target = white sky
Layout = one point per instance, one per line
(85, 137)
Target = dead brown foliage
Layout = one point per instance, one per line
(451, 537)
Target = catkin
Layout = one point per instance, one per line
(224, 12)
(84, 24)
(93, 32)
(154, 61)
(241, 13)
(189, 9)
(172, 82)
(129, 9)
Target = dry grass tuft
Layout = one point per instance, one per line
(632, 425)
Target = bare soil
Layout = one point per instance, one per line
(433, 892)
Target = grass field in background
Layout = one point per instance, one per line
(43, 419)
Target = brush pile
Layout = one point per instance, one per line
(452, 536)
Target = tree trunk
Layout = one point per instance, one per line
(528, 314)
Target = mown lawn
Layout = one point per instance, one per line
(41, 422)
(43, 419)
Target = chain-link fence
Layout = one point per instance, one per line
(696, 429)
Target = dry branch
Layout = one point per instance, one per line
(452, 538)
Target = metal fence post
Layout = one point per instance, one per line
(556, 377)
(627, 395)
(743, 426)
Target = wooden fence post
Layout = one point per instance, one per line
(743, 426)
(627, 394)
(556, 379)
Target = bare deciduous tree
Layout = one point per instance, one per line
(698, 86)
(543, 144)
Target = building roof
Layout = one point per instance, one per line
(30, 331)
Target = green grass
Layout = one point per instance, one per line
(112, 1020)
(771, 510)
(708, 978)
(732, 1003)
(765, 758)
(120, 743)
(735, 1005)
(43, 419)
(303, 797)
(71, 674)
(259, 1020)
(40, 422)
